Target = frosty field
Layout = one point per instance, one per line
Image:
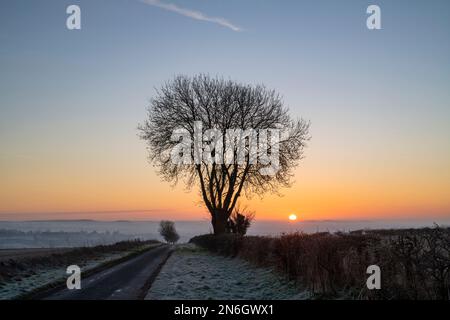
(192, 273)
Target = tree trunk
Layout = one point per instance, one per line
(219, 222)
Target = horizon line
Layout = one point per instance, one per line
(256, 220)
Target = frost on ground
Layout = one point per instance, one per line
(37, 278)
(192, 273)
(26, 274)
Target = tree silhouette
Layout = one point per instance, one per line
(168, 232)
(240, 221)
(200, 103)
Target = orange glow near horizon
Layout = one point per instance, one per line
(116, 182)
(120, 190)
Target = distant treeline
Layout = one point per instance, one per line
(414, 263)
(55, 239)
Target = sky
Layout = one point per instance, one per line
(378, 102)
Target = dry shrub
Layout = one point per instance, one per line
(418, 262)
(325, 263)
(225, 244)
(414, 263)
(258, 250)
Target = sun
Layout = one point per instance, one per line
(292, 217)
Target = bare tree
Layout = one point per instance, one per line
(168, 232)
(222, 105)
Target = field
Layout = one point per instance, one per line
(24, 254)
(25, 271)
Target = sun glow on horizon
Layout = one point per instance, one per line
(293, 217)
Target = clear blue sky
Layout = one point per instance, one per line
(77, 94)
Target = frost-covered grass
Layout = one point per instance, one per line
(192, 273)
(28, 281)
(29, 276)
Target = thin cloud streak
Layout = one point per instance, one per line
(197, 15)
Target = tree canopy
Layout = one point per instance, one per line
(215, 121)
